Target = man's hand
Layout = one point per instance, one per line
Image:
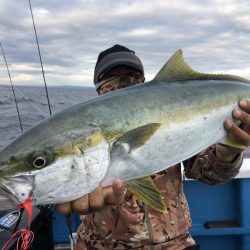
(96, 200)
(241, 133)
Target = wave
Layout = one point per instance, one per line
(33, 106)
(25, 99)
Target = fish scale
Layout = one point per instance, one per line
(127, 134)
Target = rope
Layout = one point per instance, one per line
(25, 238)
(40, 57)
(21, 127)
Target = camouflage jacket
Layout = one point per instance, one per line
(133, 225)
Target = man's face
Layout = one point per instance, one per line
(118, 78)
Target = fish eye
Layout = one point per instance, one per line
(40, 159)
(39, 162)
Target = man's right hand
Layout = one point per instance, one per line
(96, 200)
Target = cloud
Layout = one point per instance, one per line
(214, 36)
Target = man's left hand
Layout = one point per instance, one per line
(240, 132)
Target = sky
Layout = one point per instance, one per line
(214, 36)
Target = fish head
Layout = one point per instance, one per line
(49, 168)
(18, 167)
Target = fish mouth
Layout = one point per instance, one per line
(15, 190)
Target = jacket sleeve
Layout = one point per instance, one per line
(207, 168)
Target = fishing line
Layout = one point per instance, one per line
(40, 57)
(21, 127)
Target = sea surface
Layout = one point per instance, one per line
(33, 106)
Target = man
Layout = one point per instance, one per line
(117, 220)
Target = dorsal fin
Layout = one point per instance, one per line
(176, 69)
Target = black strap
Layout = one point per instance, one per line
(69, 224)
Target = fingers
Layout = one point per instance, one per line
(115, 195)
(96, 200)
(245, 105)
(90, 203)
(241, 132)
(119, 191)
(81, 205)
(240, 135)
(64, 208)
(244, 115)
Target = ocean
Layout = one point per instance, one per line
(33, 106)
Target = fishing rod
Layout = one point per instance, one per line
(40, 57)
(13, 91)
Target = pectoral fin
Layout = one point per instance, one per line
(134, 139)
(231, 141)
(145, 190)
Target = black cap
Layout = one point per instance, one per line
(117, 55)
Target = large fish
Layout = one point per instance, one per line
(126, 134)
